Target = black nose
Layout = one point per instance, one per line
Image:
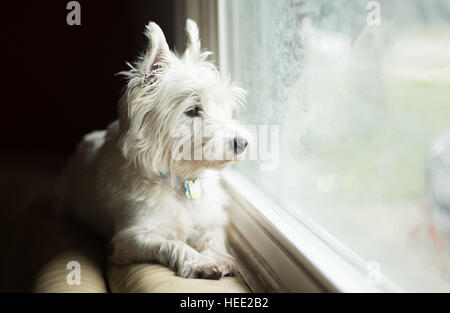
(239, 145)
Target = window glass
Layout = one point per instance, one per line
(347, 101)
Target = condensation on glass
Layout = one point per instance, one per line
(346, 99)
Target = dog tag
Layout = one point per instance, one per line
(193, 189)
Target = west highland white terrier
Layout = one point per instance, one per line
(150, 181)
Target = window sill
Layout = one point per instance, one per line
(279, 253)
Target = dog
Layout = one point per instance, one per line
(130, 184)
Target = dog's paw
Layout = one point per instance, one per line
(209, 271)
(227, 265)
(205, 269)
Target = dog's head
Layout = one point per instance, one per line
(176, 113)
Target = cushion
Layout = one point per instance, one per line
(157, 278)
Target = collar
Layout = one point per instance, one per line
(192, 187)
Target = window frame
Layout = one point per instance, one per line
(291, 256)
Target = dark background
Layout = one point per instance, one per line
(59, 81)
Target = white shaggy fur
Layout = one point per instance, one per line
(113, 184)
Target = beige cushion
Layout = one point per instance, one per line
(52, 276)
(157, 278)
(59, 242)
(36, 245)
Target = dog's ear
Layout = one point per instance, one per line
(193, 40)
(158, 53)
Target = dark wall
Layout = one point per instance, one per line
(59, 81)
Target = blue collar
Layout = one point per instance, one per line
(167, 175)
(191, 186)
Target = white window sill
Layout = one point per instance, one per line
(280, 253)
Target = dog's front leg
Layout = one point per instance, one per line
(211, 242)
(131, 245)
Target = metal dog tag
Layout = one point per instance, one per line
(193, 189)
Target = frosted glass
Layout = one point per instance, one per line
(357, 106)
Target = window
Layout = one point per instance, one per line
(346, 99)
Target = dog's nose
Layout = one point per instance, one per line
(239, 145)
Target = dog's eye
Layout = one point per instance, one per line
(194, 112)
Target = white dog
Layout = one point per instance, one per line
(129, 182)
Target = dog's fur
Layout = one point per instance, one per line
(114, 182)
